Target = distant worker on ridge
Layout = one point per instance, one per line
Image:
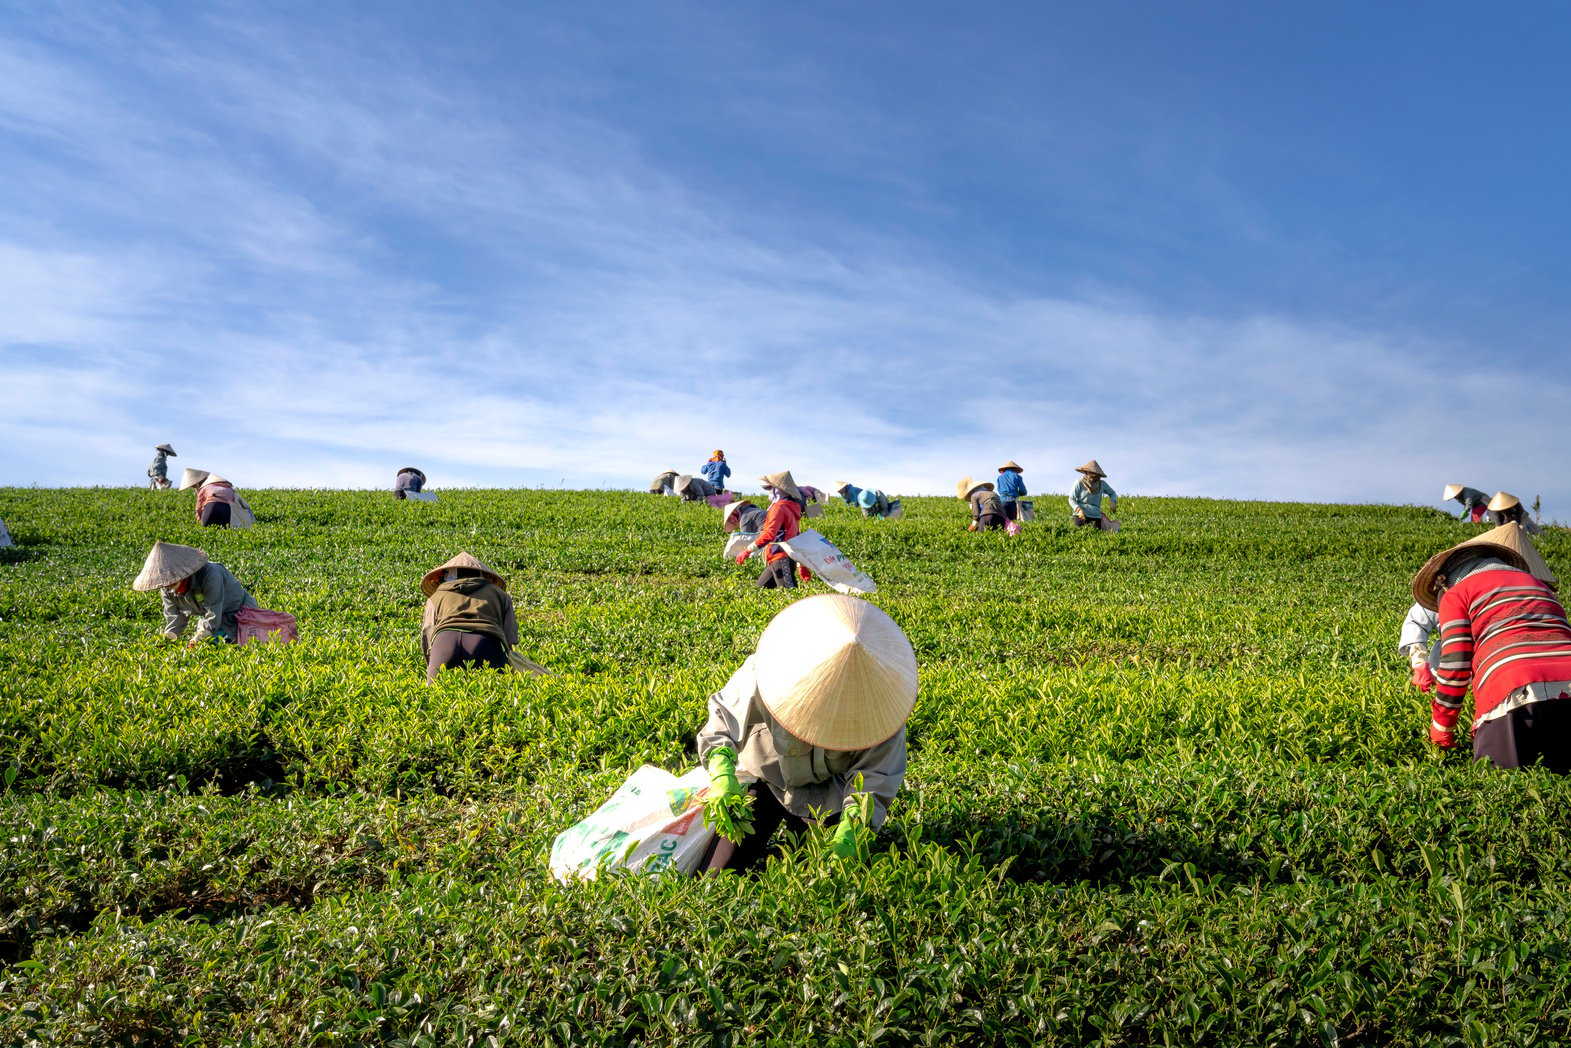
(409, 481)
(664, 483)
(987, 509)
(1506, 508)
(1473, 501)
(158, 472)
(1011, 489)
(1085, 501)
(716, 471)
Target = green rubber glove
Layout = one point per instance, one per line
(847, 843)
(722, 772)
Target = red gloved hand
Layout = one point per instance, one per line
(806, 575)
(741, 558)
(1423, 677)
(1443, 738)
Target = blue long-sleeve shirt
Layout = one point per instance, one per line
(1010, 486)
(849, 493)
(716, 471)
(1089, 503)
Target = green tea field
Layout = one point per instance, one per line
(1167, 787)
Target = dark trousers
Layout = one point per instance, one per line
(1538, 733)
(1011, 509)
(779, 575)
(215, 515)
(990, 521)
(456, 649)
(768, 815)
(1087, 522)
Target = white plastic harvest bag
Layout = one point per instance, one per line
(819, 555)
(652, 823)
(738, 542)
(420, 496)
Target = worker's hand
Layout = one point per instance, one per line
(196, 643)
(1423, 677)
(971, 526)
(848, 840)
(722, 773)
(1445, 738)
(1080, 514)
(741, 558)
(807, 576)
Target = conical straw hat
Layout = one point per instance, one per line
(433, 578)
(682, 483)
(167, 563)
(192, 478)
(782, 482)
(836, 672)
(841, 485)
(1509, 542)
(1093, 467)
(965, 487)
(1012, 464)
(214, 478)
(411, 469)
(166, 449)
(1503, 500)
(1449, 492)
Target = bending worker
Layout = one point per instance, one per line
(664, 482)
(408, 481)
(782, 523)
(1011, 489)
(692, 489)
(191, 586)
(468, 619)
(743, 516)
(1473, 501)
(716, 471)
(1504, 633)
(158, 472)
(218, 505)
(1506, 508)
(817, 714)
(1085, 501)
(987, 510)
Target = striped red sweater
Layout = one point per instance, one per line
(1499, 630)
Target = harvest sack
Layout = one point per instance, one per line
(819, 555)
(738, 542)
(814, 510)
(725, 498)
(1012, 527)
(5, 536)
(1026, 510)
(420, 496)
(654, 822)
(263, 626)
(895, 512)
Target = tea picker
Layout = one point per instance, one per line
(1503, 633)
(158, 472)
(1085, 501)
(1506, 508)
(410, 483)
(193, 587)
(782, 522)
(716, 470)
(664, 483)
(987, 510)
(468, 620)
(1473, 501)
(218, 505)
(693, 489)
(817, 714)
(1011, 489)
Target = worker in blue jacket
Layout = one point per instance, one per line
(1011, 489)
(716, 470)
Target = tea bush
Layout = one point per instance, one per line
(1167, 786)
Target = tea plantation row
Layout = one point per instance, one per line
(1167, 787)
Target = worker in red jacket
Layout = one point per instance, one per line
(1504, 633)
(781, 523)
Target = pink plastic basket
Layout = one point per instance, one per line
(263, 626)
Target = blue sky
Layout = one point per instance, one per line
(1313, 252)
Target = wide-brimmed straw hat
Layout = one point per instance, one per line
(411, 469)
(433, 578)
(166, 449)
(192, 478)
(1449, 492)
(836, 672)
(728, 520)
(781, 482)
(964, 488)
(867, 498)
(1012, 464)
(682, 483)
(1509, 542)
(1092, 467)
(167, 563)
(1504, 500)
(841, 485)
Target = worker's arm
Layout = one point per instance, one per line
(728, 713)
(509, 622)
(881, 770)
(1456, 666)
(175, 615)
(427, 628)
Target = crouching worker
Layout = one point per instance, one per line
(468, 619)
(193, 587)
(1504, 633)
(1085, 501)
(744, 517)
(1506, 508)
(782, 523)
(409, 481)
(817, 714)
(987, 510)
